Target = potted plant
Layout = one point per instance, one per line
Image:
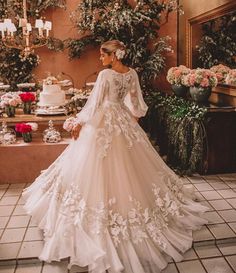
(175, 78)
(221, 72)
(231, 77)
(26, 130)
(27, 99)
(9, 102)
(201, 82)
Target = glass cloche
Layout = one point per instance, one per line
(7, 135)
(51, 135)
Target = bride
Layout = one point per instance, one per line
(108, 201)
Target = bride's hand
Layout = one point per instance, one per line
(75, 131)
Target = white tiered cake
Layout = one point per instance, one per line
(52, 95)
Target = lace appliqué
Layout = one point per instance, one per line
(117, 121)
(137, 225)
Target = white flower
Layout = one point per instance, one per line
(69, 124)
(120, 54)
(33, 125)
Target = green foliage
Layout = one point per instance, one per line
(14, 68)
(182, 124)
(135, 25)
(218, 43)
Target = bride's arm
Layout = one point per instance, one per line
(134, 99)
(94, 101)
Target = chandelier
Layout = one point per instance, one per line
(29, 37)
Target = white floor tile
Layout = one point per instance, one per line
(13, 235)
(18, 221)
(194, 266)
(232, 202)
(221, 231)
(232, 261)
(7, 269)
(233, 226)
(4, 186)
(60, 267)
(214, 265)
(6, 210)
(227, 193)
(220, 204)
(211, 195)
(228, 249)
(3, 221)
(202, 235)
(207, 251)
(219, 185)
(213, 217)
(30, 249)
(9, 251)
(203, 187)
(9, 200)
(190, 255)
(29, 268)
(19, 210)
(17, 186)
(196, 180)
(171, 268)
(13, 192)
(228, 215)
(33, 234)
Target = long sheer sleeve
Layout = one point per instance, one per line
(94, 101)
(134, 99)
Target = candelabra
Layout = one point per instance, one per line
(25, 41)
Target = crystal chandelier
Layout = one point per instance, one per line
(25, 41)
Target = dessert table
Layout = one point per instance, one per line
(22, 162)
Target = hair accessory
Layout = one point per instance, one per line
(120, 54)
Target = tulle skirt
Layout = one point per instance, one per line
(111, 204)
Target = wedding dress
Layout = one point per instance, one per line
(109, 202)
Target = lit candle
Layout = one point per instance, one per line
(2, 29)
(48, 27)
(39, 24)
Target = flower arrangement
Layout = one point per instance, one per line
(27, 97)
(50, 80)
(175, 75)
(26, 127)
(200, 78)
(69, 124)
(231, 77)
(26, 130)
(10, 99)
(221, 72)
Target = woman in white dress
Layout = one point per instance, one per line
(109, 202)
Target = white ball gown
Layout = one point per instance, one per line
(109, 202)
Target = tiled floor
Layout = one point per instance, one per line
(214, 247)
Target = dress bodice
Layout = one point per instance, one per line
(118, 85)
(113, 87)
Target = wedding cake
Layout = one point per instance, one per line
(52, 95)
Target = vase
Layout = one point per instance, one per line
(27, 107)
(10, 111)
(179, 90)
(200, 94)
(27, 137)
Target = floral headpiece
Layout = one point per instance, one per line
(120, 53)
